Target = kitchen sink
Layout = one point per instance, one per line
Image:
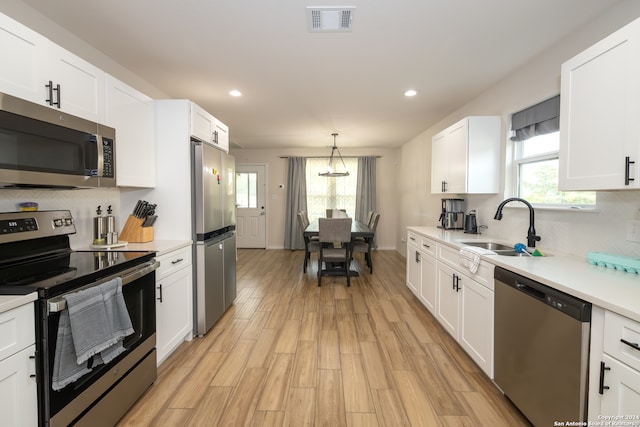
(492, 246)
(510, 252)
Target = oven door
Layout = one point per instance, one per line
(138, 361)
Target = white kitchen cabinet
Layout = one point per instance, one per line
(460, 300)
(476, 323)
(131, 113)
(614, 384)
(622, 397)
(428, 281)
(599, 110)
(25, 54)
(45, 73)
(414, 274)
(81, 85)
(465, 157)
(18, 387)
(448, 303)
(465, 309)
(209, 129)
(421, 269)
(174, 301)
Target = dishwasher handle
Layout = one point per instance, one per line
(531, 291)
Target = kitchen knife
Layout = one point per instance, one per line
(143, 207)
(149, 221)
(135, 210)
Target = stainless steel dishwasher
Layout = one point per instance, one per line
(541, 349)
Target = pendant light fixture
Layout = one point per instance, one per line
(330, 170)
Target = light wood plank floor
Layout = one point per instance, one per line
(288, 353)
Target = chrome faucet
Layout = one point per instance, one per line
(531, 233)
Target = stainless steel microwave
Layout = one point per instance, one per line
(43, 148)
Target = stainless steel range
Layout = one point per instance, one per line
(35, 256)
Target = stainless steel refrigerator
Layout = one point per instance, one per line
(214, 233)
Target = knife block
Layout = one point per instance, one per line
(134, 232)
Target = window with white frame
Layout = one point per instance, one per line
(330, 192)
(537, 143)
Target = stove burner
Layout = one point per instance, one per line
(36, 278)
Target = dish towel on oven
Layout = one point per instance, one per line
(93, 326)
(470, 257)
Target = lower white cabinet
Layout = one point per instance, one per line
(428, 289)
(421, 269)
(174, 302)
(460, 300)
(476, 323)
(18, 387)
(448, 304)
(614, 378)
(622, 397)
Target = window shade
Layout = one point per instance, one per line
(536, 120)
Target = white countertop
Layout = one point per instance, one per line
(160, 246)
(611, 289)
(8, 302)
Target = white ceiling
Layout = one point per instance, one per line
(299, 87)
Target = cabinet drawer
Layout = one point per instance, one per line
(616, 329)
(428, 245)
(425, 244)
(17, 330)
(173, 261)
(451, 256)
(413, 238)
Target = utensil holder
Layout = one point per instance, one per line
(134, 232)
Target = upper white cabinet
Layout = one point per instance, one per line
(25, 52)
(77, 87)
(599, 110)
(209, 129)
(465, 157)
(131, 113)
(42, 72)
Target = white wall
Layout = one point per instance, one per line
(570, 232)
(386, 168)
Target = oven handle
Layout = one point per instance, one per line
(58, 304)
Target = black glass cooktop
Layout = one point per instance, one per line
(59, 272)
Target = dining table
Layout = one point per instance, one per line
(358, 230)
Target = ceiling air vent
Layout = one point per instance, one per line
(330, 18)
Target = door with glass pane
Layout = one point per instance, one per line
(251, 215)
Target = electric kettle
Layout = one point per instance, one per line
(470, 223)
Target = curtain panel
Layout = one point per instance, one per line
(296, 202)
(366, 187)
(539, 119)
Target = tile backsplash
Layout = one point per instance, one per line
(82, 203)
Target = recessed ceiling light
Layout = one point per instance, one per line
(410, 92)
(235, 93)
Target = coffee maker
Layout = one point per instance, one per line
(452, 215)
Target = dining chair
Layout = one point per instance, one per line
(369, 217)
(364, 246)
(310, 244)
(337, 213)
(335, 246)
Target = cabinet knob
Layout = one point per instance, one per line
(177, 261)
